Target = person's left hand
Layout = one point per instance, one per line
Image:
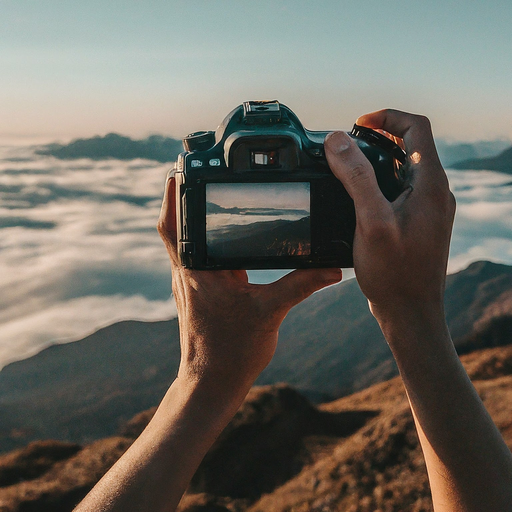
(229, 327)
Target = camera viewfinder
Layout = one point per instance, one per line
(264, 159)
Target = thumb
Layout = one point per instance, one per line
(353, 169)
(298, 285)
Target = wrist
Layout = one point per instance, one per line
(413, 327)
(225, 363)
(196, 410)
(218, 391)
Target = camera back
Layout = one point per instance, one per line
(258, 194)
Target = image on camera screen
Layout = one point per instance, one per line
(258, 219)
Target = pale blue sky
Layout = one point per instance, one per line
(77, 68)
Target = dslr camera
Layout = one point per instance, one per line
(258, 194)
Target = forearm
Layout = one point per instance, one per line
(468, 462)
(156, 470)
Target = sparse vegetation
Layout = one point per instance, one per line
(279, 454)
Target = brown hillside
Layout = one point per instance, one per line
(33, 460)
(381, 467)
(329, 346)
(359, 453)
(65, 482)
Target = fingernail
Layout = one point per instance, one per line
(337, 142)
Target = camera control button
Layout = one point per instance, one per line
(188, 247)
(316, 152)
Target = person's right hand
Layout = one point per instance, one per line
(400, 259)
(400, 248)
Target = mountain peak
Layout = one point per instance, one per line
(501, 163)
(485, 268)
(114, 145)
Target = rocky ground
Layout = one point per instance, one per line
(280, 453)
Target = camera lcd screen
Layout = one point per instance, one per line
(258, 219)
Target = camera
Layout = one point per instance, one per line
(258, 194)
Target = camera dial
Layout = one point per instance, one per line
(199, 141)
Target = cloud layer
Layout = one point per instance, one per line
(79, 247)
(483, 222)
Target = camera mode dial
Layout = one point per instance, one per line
(199, 141)
(372, 137)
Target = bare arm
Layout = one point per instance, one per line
(228, 334)
(400, 255)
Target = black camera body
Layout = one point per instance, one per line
(258, 193)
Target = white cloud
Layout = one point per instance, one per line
(483, 221)
(485, 211)
(61, 322)
(97, 257)
(81, 248)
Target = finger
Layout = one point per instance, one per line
(352, 168)
(298, 285)
(167, 220)
(415, 130)
(240, 275)
(397, 140)
(224, 277)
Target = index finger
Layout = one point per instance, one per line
(167, 220)
(415, 130)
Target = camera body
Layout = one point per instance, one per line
(258, 193)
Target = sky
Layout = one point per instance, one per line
(75, 69)
(79, 248)
(293, 196)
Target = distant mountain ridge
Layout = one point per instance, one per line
(213, 208)
(452, 152)
(501, 163)
(329, 346)
(155, 147)
(166, 149)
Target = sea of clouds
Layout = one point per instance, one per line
(79, 247)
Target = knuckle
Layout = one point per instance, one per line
(165, 233)
(378, 228)
(452, 202)
(423, 122)
(161, 228)
(444, 205)
(358, 173)
(451, 206)
(387, 112)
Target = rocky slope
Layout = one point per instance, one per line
(279, 454)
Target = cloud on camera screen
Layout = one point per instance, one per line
(258, 219)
